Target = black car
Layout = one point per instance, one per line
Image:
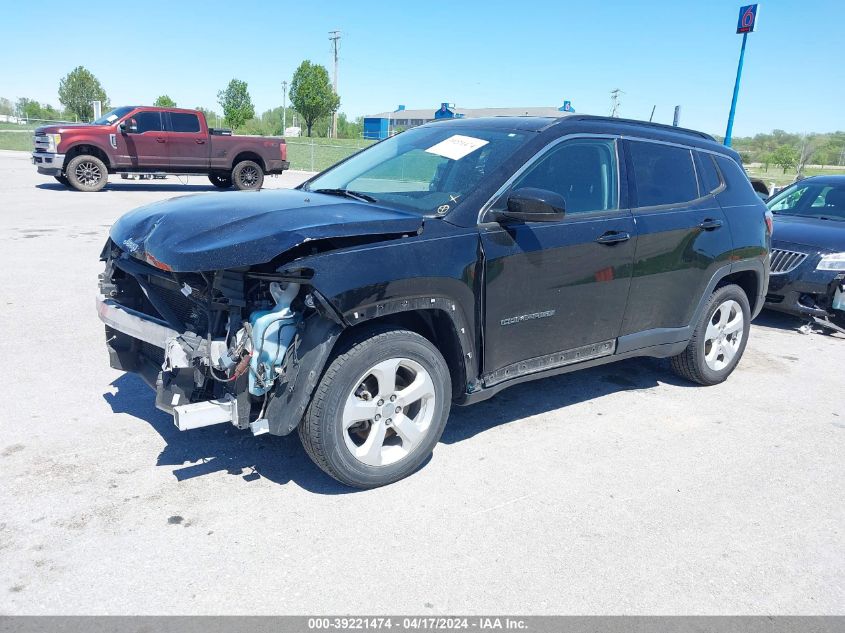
(437, 267)
(808, 250)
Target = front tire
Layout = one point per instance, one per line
(87, 173)
(247, 175)
(379, 409)
(719, 339)
(221, 181)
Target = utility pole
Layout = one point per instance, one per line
(284, 106)
(334, 38)
(614, 102)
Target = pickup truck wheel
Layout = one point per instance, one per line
(87, 173)
(719, 339)
(379, 409)
(220, 181)
(247, 176)
(63, 180)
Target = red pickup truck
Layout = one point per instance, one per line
(148, 140)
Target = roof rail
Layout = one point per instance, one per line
(659, 126)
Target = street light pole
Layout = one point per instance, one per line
(284, 106)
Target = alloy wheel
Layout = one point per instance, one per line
(249, 177)
(723, 335)
(389, 412)
(88, 173)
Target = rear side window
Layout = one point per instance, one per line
(148, 122)
(184, 122)
(663, 174)
(709, 174)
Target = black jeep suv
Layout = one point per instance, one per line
(437, 267)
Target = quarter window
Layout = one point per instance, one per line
(710, 180)
(148, 122)
(583, 171)
(184, 122)
(663, 174)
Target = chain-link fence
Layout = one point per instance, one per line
(316, 154)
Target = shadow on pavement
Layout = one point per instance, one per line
(134, 186)
(282, 459)
(221, 447)
(558, 392)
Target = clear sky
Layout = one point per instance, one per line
(467, 52)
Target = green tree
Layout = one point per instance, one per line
(311, 93)
(236, 104)
(785, 157)
(6, 107)
(164, 101)
(78, 89)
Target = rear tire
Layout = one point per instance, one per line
(380, 408)
(87, 173)
(247, 175)
(63, 180)
(719, 339)
(221, 181)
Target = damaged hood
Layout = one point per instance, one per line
(228, 230)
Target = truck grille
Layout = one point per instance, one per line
(782, 261)
(41, 143)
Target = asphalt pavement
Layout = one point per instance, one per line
(616, 490)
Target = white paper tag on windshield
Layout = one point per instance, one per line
(457, 146)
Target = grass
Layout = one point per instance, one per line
(16, 140)
(776, 175)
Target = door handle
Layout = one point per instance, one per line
(614, 237)
(160, 139)
(200, 141)
(710, 224)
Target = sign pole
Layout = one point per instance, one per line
(729, 131)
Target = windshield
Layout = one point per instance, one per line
(427, 170)
(110, 117)
(811, 199)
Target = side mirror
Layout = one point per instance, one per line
(129, 127)
(534, 205)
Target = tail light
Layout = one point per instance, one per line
(769, 224)
(283, 148)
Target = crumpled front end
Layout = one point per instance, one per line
(216, 346)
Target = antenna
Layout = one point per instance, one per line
(652, 113)
(334, 38)
(614, 102)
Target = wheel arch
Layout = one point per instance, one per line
(325, 334)
(90, 149)
(249, 155)
(434, 324)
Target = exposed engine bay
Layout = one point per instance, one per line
(215, 346)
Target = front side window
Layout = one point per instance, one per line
(148, 121)
(583, 171)
(664, 174)
(184, 122)
(425, 170)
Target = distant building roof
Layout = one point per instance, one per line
(471, 113)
